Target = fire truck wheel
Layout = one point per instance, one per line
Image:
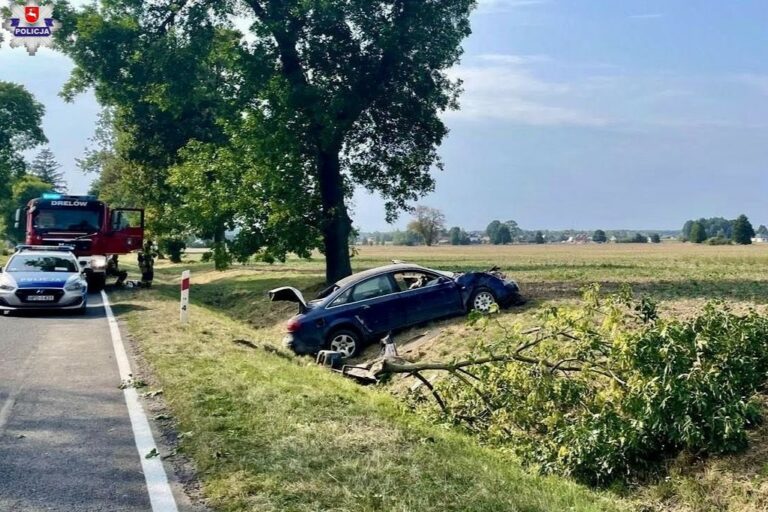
(96, 282)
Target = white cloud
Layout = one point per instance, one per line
(503, 87)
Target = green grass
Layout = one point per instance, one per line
(292, 437)
(269, 432)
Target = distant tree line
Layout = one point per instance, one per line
(718, 230)
(428, 227)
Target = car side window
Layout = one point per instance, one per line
(412, 280)
(343, 298)
(374, 287)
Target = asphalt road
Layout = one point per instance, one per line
(66, 442)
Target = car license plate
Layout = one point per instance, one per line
(40, 298)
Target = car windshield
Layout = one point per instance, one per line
(36, 263)
(67, 220)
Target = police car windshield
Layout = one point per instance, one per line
(67, 220)
(40, 263)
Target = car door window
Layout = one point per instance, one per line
(413, 280)
(372, 288)
(343, 298)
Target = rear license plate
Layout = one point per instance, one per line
(40, 298)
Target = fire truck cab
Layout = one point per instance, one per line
(98, 233)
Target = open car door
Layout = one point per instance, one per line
(127, 229)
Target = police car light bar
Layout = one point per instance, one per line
(62, 248)
(51, 196)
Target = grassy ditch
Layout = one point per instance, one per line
(270, 432)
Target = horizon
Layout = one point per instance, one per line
(617, 114)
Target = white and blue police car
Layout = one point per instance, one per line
(43, 277)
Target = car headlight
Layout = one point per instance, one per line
(98, 262)
(6, 285)
(74, 286)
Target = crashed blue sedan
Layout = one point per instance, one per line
(364, 307)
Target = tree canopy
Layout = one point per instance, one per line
(21, 118)
(428, 222)
(742, 230)
(46, 168)
(320, 98)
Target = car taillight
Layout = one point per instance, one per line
(293, 325)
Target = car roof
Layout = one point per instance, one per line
(354, 278)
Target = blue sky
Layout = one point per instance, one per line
(576, 114)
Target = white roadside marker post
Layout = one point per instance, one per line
(184, 311)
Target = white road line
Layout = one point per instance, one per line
(160, 495)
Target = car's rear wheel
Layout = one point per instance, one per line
(345, 341)
(483, 300)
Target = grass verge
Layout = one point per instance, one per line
(269, 432)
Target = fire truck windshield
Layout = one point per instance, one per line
(69, 219)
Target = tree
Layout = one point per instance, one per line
(697, 233)
(539, 238)
(655, 238)
(503, 236)
(326, 95)
(742, 230)
(599, 236)
(762, 230)
(514, 230)
(493, 231)
(428, 223)
(45, 167)
(24, 189)
(21, 118)
(455, 235)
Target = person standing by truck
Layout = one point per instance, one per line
(146, 259)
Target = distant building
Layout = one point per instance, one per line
(760, 239)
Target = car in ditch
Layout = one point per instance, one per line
(43, 278)
(365, 306)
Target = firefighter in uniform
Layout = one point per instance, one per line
(147, 264)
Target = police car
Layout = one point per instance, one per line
(43, 277)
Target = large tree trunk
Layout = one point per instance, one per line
(336, 223)
(219, 247)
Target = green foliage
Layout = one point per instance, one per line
(21, 118)
(697, 233)
(503, 236)
(539, 238)
(655, 238)
(742, 230)
(713, 227)
(458, 236)
(46, 168)
(428, 222)
(23, 190)
(493, 231)
(323, 97)
(599, 236)
(173, 247)
(609, 388)
(718, 240)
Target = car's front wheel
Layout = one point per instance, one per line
(483, 300)
(344, 341)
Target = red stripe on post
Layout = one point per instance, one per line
(185, 284)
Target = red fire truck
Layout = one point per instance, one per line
(98, 233)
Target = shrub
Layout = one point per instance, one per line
(607, 389)
(718, 240)
(174, 248)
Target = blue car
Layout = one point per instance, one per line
(364, 307)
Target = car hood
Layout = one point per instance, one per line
(41, 279)
(288, 294)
